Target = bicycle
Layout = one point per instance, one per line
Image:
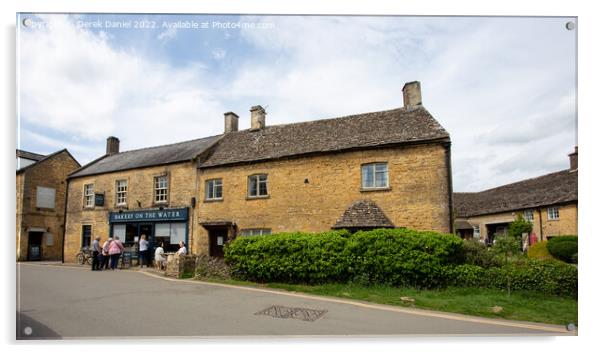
(84, 256)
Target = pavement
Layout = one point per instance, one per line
(66, 302)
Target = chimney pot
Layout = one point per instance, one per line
(573, 159)
(112, 145)
(257, 117)
(412, 95)
(230, 122)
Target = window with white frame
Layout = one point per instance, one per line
(89, 195)
(375, 175)
(45, 197)
(121, 194)
(161, 189)
(553, 213)
(213, 189)
(258, 185)
(476, 231)
(257, 231)
(528, 215)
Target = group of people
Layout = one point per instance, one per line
(107, 255)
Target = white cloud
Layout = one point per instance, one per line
(167, 34)
(218, 53)
(74, 83)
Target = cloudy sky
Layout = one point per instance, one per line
(504, 88)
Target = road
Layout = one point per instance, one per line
(59, 302)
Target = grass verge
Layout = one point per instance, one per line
(523, 306)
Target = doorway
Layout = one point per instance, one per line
(217, 239)
(34, 246)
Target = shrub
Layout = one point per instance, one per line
(506, 247)
(539, 251)
(386, 256)
(477, 253)
(545, 276)
(563, 247)
(519, 226)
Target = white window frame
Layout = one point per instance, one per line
(255, 231)
(529, 215)
(257, 179)
(89, 195)
(211, 188)
(553, 213)
(161, 193)
(121, 192)
(373, 171)
(476, 231)
(45, 197)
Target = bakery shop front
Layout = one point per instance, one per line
(168, 225)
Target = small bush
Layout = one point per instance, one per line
(519, 226)
(563, 247)
(506, 247)
(479, 254)
(539, 251)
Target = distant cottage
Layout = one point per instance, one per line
(41, 187)
(383, 169)
(548, 201)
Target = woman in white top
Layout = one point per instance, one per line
(182, 250)
(143, 257)
(159, 257)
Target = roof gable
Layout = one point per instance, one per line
(363, 214)
(46, 158)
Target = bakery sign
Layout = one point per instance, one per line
(167, 214)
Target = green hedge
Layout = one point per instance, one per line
(563, 247)
(392, 256)
(544, 276)
(399, 257)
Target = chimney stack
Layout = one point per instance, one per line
(412, 96)
(112, 145)
(257, 117)
(230, 122)
(573, 159)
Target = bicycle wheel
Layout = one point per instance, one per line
(80, 258)
(90, 260)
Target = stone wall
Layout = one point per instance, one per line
(309, 194)
(51, 173)
(181, 189)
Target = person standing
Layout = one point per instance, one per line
(115, 250)
(159, 257)
(143, 251)
(104, 264)
(96, 254)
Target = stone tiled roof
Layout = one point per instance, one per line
(550, 189)
(29, 155)
(363, 214)
(390, 127)
(146, 157)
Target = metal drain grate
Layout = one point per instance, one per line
(284, 312)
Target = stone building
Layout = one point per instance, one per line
(40, 191)
(383, 169)
(548, 201)
(148, 191)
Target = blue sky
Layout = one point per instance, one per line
(503, 87)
